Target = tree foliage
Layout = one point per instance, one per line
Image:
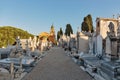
(85, 27)
(61, 32)
(58, 35)
(87, 24)
(68, 30)
(8, 34)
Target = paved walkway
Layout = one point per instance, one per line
(56, 65)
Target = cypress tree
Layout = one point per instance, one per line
(61, 32)
(87, 24)
(68, 30)
(58, 35)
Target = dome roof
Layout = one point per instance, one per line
(43, 34)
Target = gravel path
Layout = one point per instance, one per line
(56, 65)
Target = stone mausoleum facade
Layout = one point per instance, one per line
(102, 26)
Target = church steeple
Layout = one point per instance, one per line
(52, 31)
(52, 34)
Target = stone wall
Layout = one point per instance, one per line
(83, 43)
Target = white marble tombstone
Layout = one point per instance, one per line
(34, 43)
(42, 45)
(27, 48)
(108, 46)
(94, 42)
(111, 49)
(30, 42)
(68, 41)
(99, 45)
(90, 45)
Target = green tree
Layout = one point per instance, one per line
(61, 32)
(90, 23)
(8, 34)
(85, 27)
(58, 35)
(68, 30)
(87, 24)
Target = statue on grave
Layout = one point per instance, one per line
(111, 28)
(90, 35)
(111, 50)
(17, 51)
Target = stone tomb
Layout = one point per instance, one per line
(110, 67)
(110, 70)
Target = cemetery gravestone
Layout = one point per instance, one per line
(99, 45)
(108, 46)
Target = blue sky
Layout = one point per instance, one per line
(36, 16)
